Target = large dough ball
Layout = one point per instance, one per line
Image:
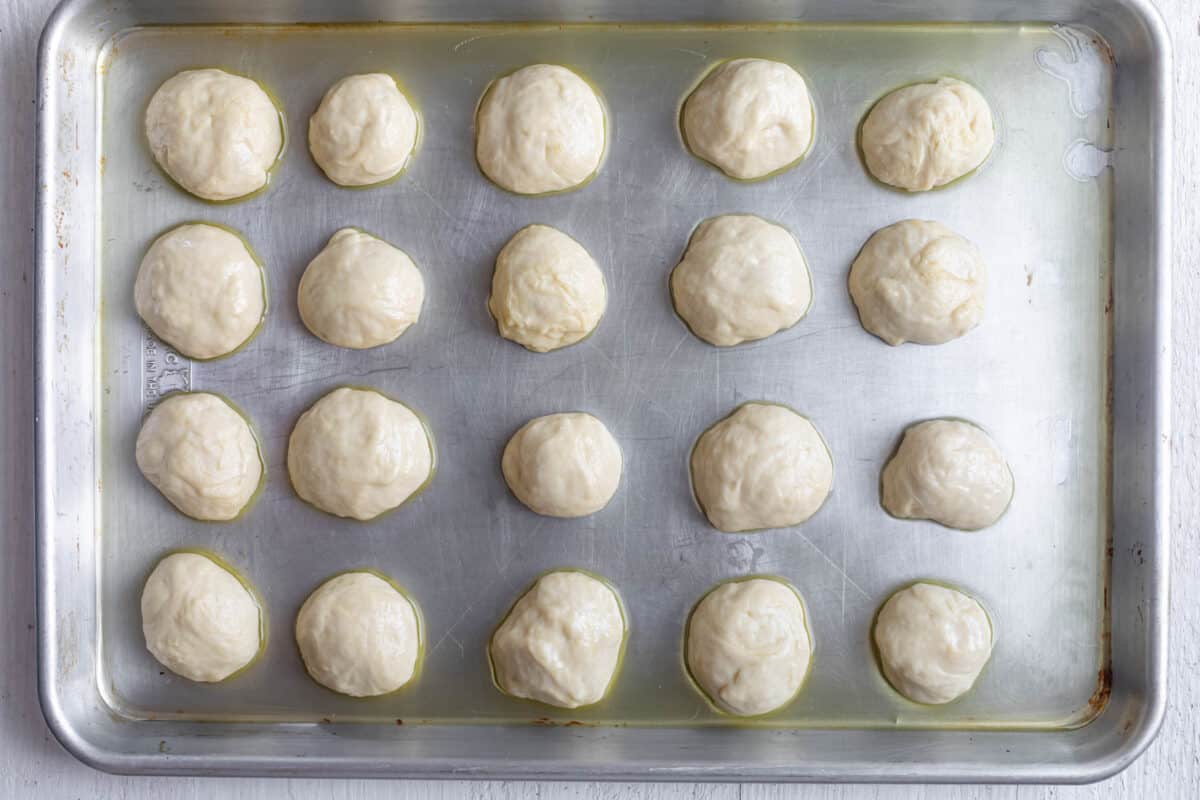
(563, 465)
(364, 130)
(217, 135)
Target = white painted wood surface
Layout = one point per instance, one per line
(32, 765)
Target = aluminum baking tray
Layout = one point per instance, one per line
(1068, 371)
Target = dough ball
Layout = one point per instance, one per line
(360, 291)
(364, 130)
(561, 643)
(563, 465)
(356, 453)
(217, 135)
(199, 620)
(199, 451)
(748, 647)
(547, 291)
(927, 135)
(741, 278)
(950, 472)
(933, 642)
(749, 117)
(540, 129)
(763, 466)
(359, 635)
(201, 290)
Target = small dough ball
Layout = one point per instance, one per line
(918, 281)
(360, 291)
(200, 452)
(199, 620)
(763, 466)
(748, 648)
(356, 453)
(749, 117)
(364, 130)
(561, 643)
(563, 465)
(540, 129)
(547, 291)
(933, 642)
(741, 278)
(217, 135)
(359, 635)
(927, 135)
(201, 290)
(950, 472)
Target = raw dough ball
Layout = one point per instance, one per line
(360, 291)
(217, 135)
(358, 635)
(747, 646)
(741, 278)
(201, 290)
(540, 129)
(364, 130)
(201, 454)
(749, 117)
(950, 472)
(198, 619)
(927, 135)
(933, 642)
(561, 643)
(356, 453)
(563, 465)
(763, 466)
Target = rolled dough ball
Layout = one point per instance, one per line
(749, 117)
(199, 620)
(763, 466)
(364, 131)
(199, 451)
(918, 281)
(741, 278)
(356, 453)
(360, 291)
(933, 642)
(359, 635)
(539, 129)
(201, 290)
(563, 465)
(561, 643)
(217, 135)
(928, 134)
(748, 648)
(950, 472)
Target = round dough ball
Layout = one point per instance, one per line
(364, 131)
(540, 129)
(359, 635)
(933, 642)
(563, 465)
(763, 466)
(199, 620)
(356, 453)
(217, 135)
(927, 135)
(360, 291)
(748, 648)
(741, 278)
(749, 117)
(950, 472)
(561, 643)
(200, 452)
(201, 290)
(547, 291)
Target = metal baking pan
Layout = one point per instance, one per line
(1069, 371)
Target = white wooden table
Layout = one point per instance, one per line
(33, 765)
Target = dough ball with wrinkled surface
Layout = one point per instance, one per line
(563, 465)
(364, 131)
